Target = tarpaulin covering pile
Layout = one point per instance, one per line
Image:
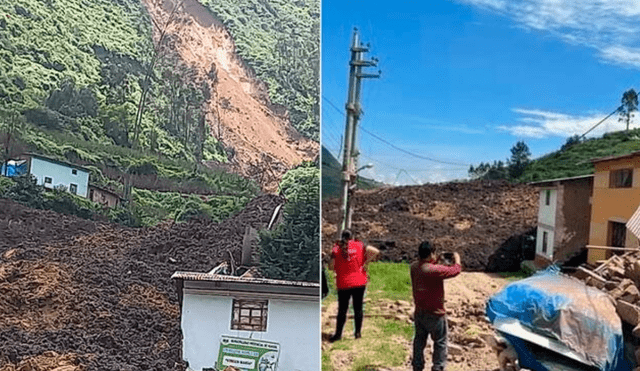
(552, 312)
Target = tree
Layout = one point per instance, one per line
(629, 105)
(519, 159)
(10, 124)
(572, 140)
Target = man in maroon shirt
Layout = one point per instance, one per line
(427, 278)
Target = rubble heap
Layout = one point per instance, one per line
(83, 295)
(485, 221)
(619, 276)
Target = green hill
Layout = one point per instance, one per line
(72, 73)
(574, 160)
(331, 176)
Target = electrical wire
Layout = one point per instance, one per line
(396, 147)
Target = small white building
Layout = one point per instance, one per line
(249, 323)
(52, 173)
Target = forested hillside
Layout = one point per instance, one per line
(574, 157)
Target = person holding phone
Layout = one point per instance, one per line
(427, 281)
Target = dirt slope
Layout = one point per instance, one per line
(482, 220)
(241, 114)
(91, 296)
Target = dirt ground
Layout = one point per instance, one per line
(265, 144)
(465, 303)
(83, 295)
(485, 221)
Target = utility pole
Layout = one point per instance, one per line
(354, 110)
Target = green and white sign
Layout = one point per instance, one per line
(248, 354)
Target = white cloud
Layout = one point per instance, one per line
(537, 124)
(612, 27)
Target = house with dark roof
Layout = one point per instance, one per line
(50, 172)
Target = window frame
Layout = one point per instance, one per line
(617, 231)
(74, 171)
(621, 178)
(71, 188)
(50, 180)
(545, 241)
(547, 199)
(251, 321)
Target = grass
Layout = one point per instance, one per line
(514, 276)
(383, 341)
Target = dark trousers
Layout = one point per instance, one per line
(357, 293)
(430, 324)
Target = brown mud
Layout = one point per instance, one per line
(99, 294)
(485, 221)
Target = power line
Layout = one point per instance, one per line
(601, 121)
(396, 147)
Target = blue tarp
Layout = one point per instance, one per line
(561, 314)
(13, 168)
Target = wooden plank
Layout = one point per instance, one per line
(587, 273)
(613, 248)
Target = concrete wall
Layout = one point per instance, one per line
(612, 204)
(60, 175)
(293, 324)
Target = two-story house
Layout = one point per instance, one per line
(50, 172)
(564, 213)
(616, 196)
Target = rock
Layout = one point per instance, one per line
(454, 349)
(628, 312)
(637, 354)
(636, 333)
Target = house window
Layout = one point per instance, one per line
(545, 238)
(547, 197)
(617, 234)
(622, 178)
(74, 172)
(91, 195)
(48, 180)
(249, 315)
(73, 188)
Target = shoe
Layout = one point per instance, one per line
(358, 335)
(334, 338)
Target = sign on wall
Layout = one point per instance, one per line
(248, 354)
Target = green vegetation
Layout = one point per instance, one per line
(574, 158)
(331, 177)
(291, 250)
(280, 40)
(389, 281)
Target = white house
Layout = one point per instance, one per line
(249, 323)
(564, 213)
(52, 173)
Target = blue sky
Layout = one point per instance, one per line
(463, 81)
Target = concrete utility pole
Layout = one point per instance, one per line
(354, 110)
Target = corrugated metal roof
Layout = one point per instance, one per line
(634, 223)
(561, 179)
(194, 276)
(607, 158)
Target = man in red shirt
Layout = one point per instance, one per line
(427, 278)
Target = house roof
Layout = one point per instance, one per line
(616, 157)
(225, 285)
(51, 159)
(541, 183)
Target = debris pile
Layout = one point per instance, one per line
(100, 295)
(619, 276)
(485, 221)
